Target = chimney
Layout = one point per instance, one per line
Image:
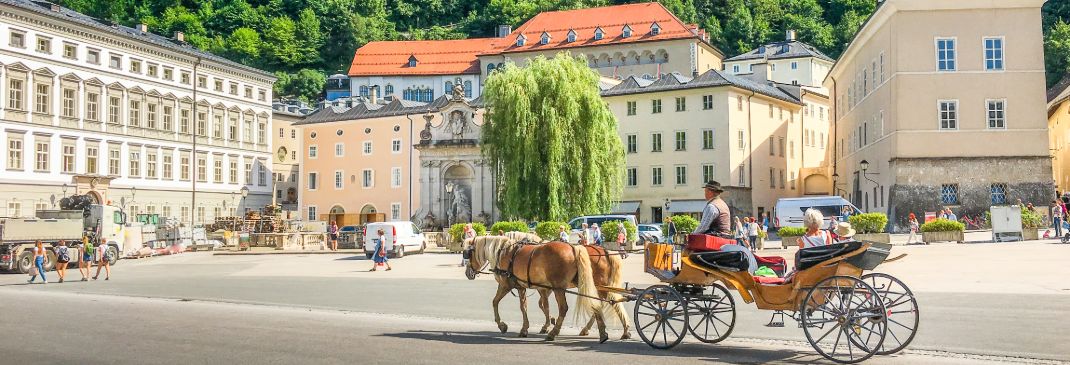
(504, 30)
(791, 34)
(179, 36)
(54, 7)
(373, 95)
(759, 72)
(143, 28)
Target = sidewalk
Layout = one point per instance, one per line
(252, 251)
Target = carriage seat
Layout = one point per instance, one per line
(734, 261)
(809, 257)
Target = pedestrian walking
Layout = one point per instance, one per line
(63, 257)
(585, 232)
(815, 236)
(38, 263)
(87, 258)
(765, 222)
(752, 233)
(379, 257)
(102, 261)
(670, 231)
(740, 232)
(1057, 217)
(914, 227)
(622, 240)
(332, 231)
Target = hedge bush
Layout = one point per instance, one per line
(869, 222)
(509, 226)
(610, 229)
(943, 225)
(457, 230)
(548, 230)
(791, 232)
(1031, 219)
(685, 224)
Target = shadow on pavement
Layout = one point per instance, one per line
(353, 258)
(716, 353)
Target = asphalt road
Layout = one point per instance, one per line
(196, 308)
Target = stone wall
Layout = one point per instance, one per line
(918, 183)
(738, 200)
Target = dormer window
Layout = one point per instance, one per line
(571, 36)
(627, 31)
(412, 61)
(598, 34)
(655, 29)
(545, 38)
(521, 40)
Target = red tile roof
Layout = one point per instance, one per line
(611, 19)
(446, 57)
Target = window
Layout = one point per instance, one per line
(18, 39)
(113, 109)
(262, 95)
(41, 99)
(999, 193)
(571, 37)
(113, 160)
(67, 163)
(339, 149)
(92, 106)
(739, 103)
(632, 177)
(681, 104)
(519, 43)
(945, 54)
(735, 69)
(183, 166)
(655, 142)
(312, 180)
(881, 59)
(14, 153)
(233, 170)
(261, 172)
(217, 170)
(395, 177)
(153, 70)
(631, 108)
(632, 143)
(44, 45)
(367, 147)
(92, 56)
(707, 139)
(598, 34)
(395, 146)
(949, 114)
(794, 65)
(655, 106)
(312, 151)
(183, 121)
(772, 178)
(791, 149)
(741, 141)
(311, 213)
(655, 176)
(772, 147)
(202, 169)
(41, 156)
(151, 115)
(781, 179)
(168, 73)
(135, 113)
(338, 179)
(781, 144)
(681, 175)
(367, 178)
(707, 102)
(681, 140)
(545, 38)
(185, 78)
(202, 81)
(248, 92)
(707, 173)
(627, 31)
(15, 95)
(68, 103)
(91, 154)
(70, 51)
(261, 133)
(218, 85)
(742, 175)
(994, 54)
(949, 193)
(997, 114)
(293, 133)
(135, 66)
(792, 180)
(395, 211)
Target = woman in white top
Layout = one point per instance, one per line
(38, 263)
(815, 237)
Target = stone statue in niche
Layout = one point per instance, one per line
(459, 210)
(458, 124)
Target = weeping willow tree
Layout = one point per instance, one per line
(551, 140)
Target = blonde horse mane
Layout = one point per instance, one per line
(524, 236)
(486, 248)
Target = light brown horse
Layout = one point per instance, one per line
(605, 268)
(553, 266)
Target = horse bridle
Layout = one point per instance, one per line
(469, 272)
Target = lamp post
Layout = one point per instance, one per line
(864, 165)
(665, 211)
(65, 186)
(244, 193)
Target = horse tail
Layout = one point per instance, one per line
(586, 304)
(615, 281)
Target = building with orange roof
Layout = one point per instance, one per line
(418, 70)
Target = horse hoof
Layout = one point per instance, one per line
(626, 336)
(543, 331)
(553, 321)
(549, 338)
(503, 327)
(584, 333)
(522, 334)
(603, 338)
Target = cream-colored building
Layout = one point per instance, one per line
(789, 61)
(286, 159)
(941, 103)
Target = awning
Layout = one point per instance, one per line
(686, 206)
(625, 207)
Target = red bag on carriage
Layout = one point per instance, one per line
(705, 242)
(778, 264)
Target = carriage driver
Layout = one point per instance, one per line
(716, 215)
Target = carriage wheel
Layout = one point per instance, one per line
(902, 310)
(711, 318)
(844, 319)
(660, 316)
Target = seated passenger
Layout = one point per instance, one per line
(814, 237)
(844, 232)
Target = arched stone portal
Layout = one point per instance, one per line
(457, 190)
(816, 184)
(337, 214)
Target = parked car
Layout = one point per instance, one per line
(401, 237)
(789, 211)
(351, 236)
(576, 224)
(650, 233)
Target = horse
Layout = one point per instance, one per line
(554, 267)
(606, 272)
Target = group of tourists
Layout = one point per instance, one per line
(747, 229)
(1058, 216)
(90, 254)
(592, 235)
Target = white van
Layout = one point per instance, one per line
(576, 224)
(789, 211)
(400, 237)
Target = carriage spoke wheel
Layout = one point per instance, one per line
(660, 316)
(901, 309)
(844, 319)
(711, 317)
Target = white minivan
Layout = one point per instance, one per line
(789, 211)
(400, 237)
(576, 224)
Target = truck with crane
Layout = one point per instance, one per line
(78, 218)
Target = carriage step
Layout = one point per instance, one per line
(774, 323)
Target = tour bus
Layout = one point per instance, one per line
(789, 211)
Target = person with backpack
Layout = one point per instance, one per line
(38, 263)
(63, 257)
(87, 258)
(102, 261)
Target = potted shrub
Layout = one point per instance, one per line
(609, 234)
(870, 227)
(457, 234)
(943, 230)
(788, 235)
(685, 224)
(508, 226)
(1031, 223)
(549, 230)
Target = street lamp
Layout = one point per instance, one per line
(864, 165)
(244, 193)
(65, 186)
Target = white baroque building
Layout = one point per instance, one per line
(111, 111)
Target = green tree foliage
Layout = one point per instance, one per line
(509, 226)
(243, 45)
(550, 231)
(1057, 51)
(552, 140)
